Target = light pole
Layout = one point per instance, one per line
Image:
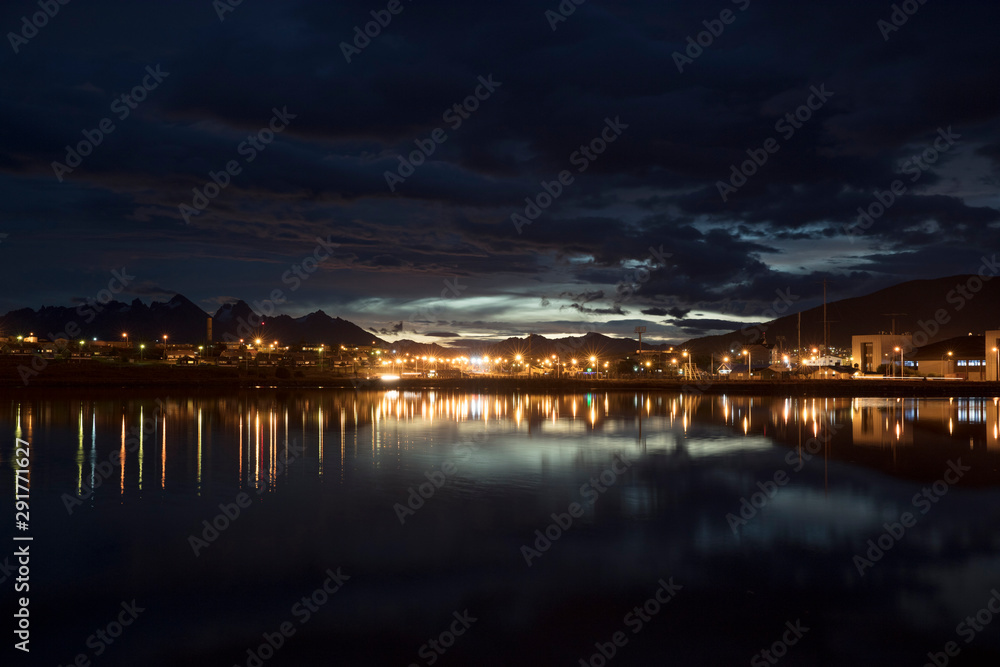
(125, 336)
(749, 365)
(946, 368)
(900, 361)
(142, 347)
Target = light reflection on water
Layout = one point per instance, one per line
(339, 429)
(174, 459)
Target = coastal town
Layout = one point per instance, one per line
(974, 358)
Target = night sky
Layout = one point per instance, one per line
(649, 224)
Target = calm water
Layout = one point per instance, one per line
(648, 489)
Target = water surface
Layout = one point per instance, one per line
(429, 503)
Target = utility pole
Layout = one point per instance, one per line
(893, 316)
(640, 331)
(825, 348)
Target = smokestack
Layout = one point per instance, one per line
(209, 337)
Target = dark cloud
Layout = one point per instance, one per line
(642, 228)
(612, 310)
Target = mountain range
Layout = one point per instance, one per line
(941, 307)
(182, 321)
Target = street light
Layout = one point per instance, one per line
(125, 336)
(749, 364)
(142, 347)
(948, 354)
(900, 362)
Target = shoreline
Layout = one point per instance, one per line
(69, 375)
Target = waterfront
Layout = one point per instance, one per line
(429, 502)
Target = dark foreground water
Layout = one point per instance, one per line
(464, 529)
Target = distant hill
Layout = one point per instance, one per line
(532, 346)
(179, 318)
(238, 320)
(914, 301)
(182, 321)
